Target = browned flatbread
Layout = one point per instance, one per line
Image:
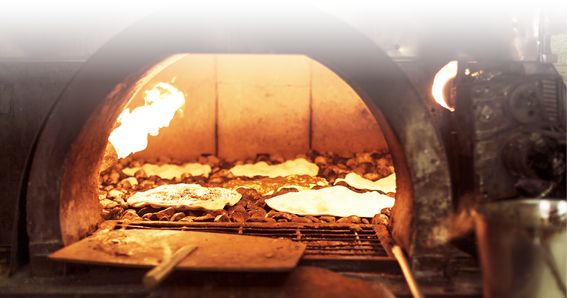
(185, 196)
(268, 185)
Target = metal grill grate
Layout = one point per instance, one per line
(328, 241)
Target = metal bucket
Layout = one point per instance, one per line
(523, 248)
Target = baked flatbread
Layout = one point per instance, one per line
(336, 201)
(267, 186)
(298, 166)
(385, 185)
(185, 196)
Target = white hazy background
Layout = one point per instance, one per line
(74, 30)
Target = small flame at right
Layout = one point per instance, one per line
(442, 78)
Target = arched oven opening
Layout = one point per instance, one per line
(258, 125)
(376, 106)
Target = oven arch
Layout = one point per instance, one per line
(424, 187)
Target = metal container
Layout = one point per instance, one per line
(523, 247)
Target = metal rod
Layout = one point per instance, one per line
(384, 237)
(161, 271)
(412, 284)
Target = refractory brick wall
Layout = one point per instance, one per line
(240, 105)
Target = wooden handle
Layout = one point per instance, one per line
(412, 284)
(161, 271)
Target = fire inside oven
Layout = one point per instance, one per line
(259, 145)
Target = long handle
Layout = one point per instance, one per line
(161, 271)
(412, 284)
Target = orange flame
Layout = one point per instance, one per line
(161, 103)
(442, 77)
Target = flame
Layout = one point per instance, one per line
(161, 103)
(442, 77)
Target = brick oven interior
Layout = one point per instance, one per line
(243, 109)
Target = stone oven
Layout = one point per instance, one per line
(100, 91)
(303, 86)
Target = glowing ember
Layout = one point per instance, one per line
(443, 76)
(171, 171)
(161, 103)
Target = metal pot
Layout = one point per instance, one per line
(523, 247)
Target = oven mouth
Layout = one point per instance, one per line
(328, 236)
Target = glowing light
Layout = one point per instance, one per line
(544, 209)
(442, 77)
(161, 103)
(562, 207)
